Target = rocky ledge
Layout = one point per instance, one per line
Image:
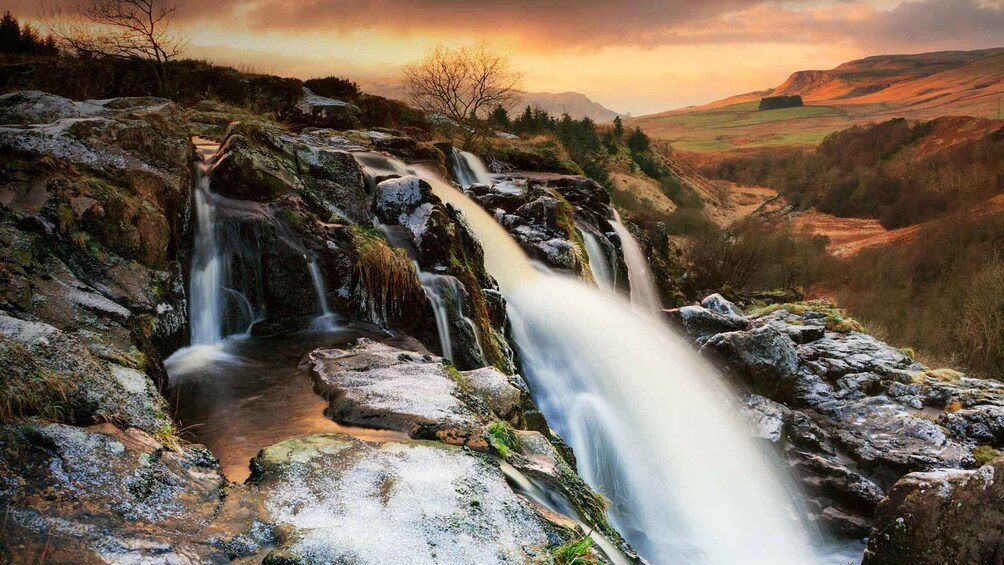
(849, 413)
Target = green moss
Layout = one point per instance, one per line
(984, 454)
(837, 320)
(503, 438)
(575, 552)
(944, 375)
(456, 375)
(291, 217)
(27, 389)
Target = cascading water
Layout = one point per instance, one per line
(327, 317)
(469, 170)
(653, 426)
(643, 292)
(446, 295)
(599, 262)
(206, 277)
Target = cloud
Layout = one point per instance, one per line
(531, 25)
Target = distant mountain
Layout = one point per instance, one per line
(577, 105)
(922, 86)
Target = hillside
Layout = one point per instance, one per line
(922, 86)
(576, 104)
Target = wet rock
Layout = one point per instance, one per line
(33, 107)
(766, 419)
(859, 414)
(701, 323)
(376, 385)
(323, 112)
(397, 197)
(51, 374)
(540, 211)
(718, 304)
(100, 495)
(335, 498)
(946, 516)
(764, 357)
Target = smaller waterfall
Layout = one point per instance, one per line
(643, 292)
(599, 261)
(205, 300)
(469, 170)
(447, 296)
(327, 318)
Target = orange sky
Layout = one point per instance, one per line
(638, 56)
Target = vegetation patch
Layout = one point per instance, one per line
(385, 277)
(28, 390)
(503, 438)
(837, 320)
(984, 454)
(575, 552)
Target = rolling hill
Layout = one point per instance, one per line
(923, 86)
(577, 105)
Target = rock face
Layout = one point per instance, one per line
(541, 212)
(947, 516)
(450, 256)
(343, 499)
(850, 414)
(101, 495)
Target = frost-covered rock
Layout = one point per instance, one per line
(34, 107)
(396, 198)
(103, 495)
(337, 499)
(377, 385)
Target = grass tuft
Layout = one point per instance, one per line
(575, 552)
(385, 276)
(27, 390)
(503, 438)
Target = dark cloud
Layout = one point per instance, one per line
(911, 25)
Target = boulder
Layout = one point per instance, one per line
(319, 111)
(33, 107)
(944, 516)
(701, 323)
(337, 499)
(395, 198)
(764, 357)
(377, 385)
(101, 494)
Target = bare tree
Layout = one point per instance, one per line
(462, 86)
(981, 327)
(138, 30)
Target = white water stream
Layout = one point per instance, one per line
(643, 292)
(654, 427)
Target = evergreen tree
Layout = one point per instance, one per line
(638, 142)
(10, 34)
(618, 127)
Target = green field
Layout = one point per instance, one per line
(745, 126)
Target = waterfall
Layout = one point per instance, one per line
(654, 428)
(327, 317)
(439, 310)
(205, 302)
(469, 170)
(604, 272)
(643, 292)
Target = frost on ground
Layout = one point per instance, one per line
(345, 500)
